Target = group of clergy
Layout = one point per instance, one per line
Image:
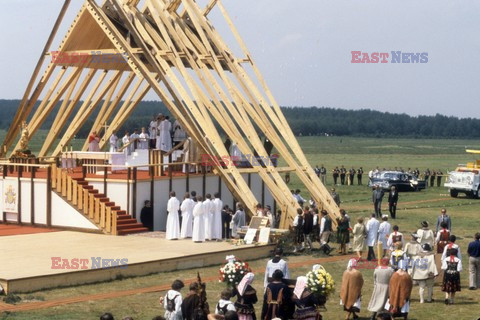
(200, 219)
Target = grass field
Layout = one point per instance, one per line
(330, 151)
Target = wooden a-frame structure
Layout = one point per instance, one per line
(170, 47)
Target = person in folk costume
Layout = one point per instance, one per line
(178, 133)
(372, 236)
(143, 139)
(276, 298)
(325, 231)
(397, 255)
(451, 248)
(307, 227)
(195, 305)
(441, 242)
(152, 130)
(400, 290)
(298, 226)
(93, 142)
(305, 301)
(164, 137)
(269, 215)
(126, 141)
(187, 216)
(224, 304)
(425, 235)
(412, 248)
(238, 220)
(113, 141)
(208, 216)
(246, 298)
(359, 232)
(277, 263)
(395, 237)
(424, 271)
(383, 234)
(343, 234)
(452, 266)
(217, 217)
(351, 290)
(381, 279)
(173, 225)
(134, 139)
(172, 302)
(198, 233)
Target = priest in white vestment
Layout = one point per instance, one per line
(173, 224)
(187, 216)
(198, 234)
(208, 216)
(152, 130)
(125, 141)
(178, 133)
(134, 137)
(217, 217)
(143, 139)
(113, 142)
(164, 140)
(190, 154)
(93, 141)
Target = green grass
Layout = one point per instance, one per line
(369, 153)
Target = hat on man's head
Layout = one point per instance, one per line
(424, 224)
(415, 236)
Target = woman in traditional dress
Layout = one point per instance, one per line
(441, 241)
(397, 255)
(305, 301)
(425, 235)
(343, 234)
(187, 216)
(359, 232)
(400, 290)
(277, 263)
(452, 266)
(246, 298)
(381, 280)
(351, 291)
(277, 298)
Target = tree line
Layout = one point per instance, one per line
(306, 121)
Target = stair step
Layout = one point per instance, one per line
(111, 204)
(129, 226)
(79, 179)
(99, 195)
(130, 231)
(116, 208)
(126, 221)
(104, 200)
(93, 191)
(87, 187)
(120, 212)
(122, 217)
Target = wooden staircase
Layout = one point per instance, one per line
(98, 208)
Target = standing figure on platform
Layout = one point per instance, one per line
(152, 129)
(164, 142)
(146, 215)
(113, 142)
(238, 220)
(190, 155)
(198, 234)
(187, 216)
(351, 289)
(208, 216)
(173, 225)
(217, 217)
(277, 263)
(178, 133)
(93, 141)
(134, 137)
(126, 141)
(143, 139)
(226, 219)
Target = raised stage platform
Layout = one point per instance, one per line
(26, 260)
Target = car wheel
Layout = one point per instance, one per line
(453, 193)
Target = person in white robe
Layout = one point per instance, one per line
(113, 142)
(164, 140)
(190, 155)
(143, 139)
(383, 233)
(152, 130)
(217, 217)
(208, 216)
(125, 141)
(134, 137)
(173, 224)
(277, 263)
(372, 236)
(238, 220)
(178, 133)
(198, 234)
(187, 216)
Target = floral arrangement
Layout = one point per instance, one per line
(320, 283)
(233, 271)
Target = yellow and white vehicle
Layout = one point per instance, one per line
(465, 179)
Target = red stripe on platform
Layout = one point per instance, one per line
(11, 230)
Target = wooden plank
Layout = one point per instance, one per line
(108, 214)
(69, 188)
(64, 183)
(102, 215)
(91, 205)
(74, 192)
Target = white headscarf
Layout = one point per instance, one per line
(300, 286)
(352, 264)
(246, 280)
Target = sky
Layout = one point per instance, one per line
(304, 50)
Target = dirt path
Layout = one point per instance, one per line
(117, 294)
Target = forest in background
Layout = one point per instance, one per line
(309, 121)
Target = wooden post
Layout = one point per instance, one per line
(134, 193)
(49, 196)
(105, 180)
(187, 167)
(32, 196)
(19, 199)
(170, 176)
(129, 170)
(152, 185)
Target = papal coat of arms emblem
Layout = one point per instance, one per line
(10, 196)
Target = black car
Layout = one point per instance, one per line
(401, 180)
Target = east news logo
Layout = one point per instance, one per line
(392, 57)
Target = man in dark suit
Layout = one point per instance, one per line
(392, 202)
(377, 197)
(343, 173)
(359, 176)
(444, 218)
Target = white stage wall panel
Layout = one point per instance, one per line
(26, 202)
(41, 201)
(64, 215)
